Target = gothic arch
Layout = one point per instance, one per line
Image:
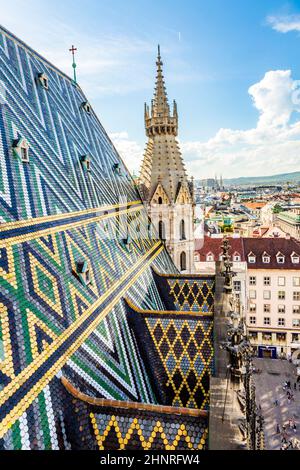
(183, 261)
(161, 230)
(182, 230)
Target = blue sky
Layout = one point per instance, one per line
(231, 65)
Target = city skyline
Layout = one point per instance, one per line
(234, 77)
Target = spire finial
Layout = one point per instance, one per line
(73, 50)
(160, 101)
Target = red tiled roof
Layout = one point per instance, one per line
(213, 245)
(272, 246)
(255, 246)
(254, 205)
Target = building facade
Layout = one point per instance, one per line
(164, 185)
(273, 287)
(209, 251)
(267, 283)
(289, 222)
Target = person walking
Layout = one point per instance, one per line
(284, 385)
(295, 428)
(278, 429)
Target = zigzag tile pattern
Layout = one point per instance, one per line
(54, 215)
(119, 430)
(178, 352)
(194, 293)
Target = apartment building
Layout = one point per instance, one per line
(209, 251)
(273, 295)
(268, 285)
(289, 222)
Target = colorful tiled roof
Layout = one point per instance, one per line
(67, 258)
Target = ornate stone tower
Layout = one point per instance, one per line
(163, 179)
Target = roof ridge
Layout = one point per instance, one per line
(32, 51)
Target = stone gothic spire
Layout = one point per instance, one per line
(160, 105)
(163, 180)
(162, 159)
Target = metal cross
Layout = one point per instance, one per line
(73, 50)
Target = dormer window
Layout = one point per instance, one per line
(86, 107)
(251, 258)
(127, 243)
(295, 258)
(21, 149)
(117, 169)
(236, 257)
(210, 257)
(83, 272)
(86, 162)
(266, 258)
(43, 80)
(280, 258)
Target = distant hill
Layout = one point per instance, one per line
(281, 178)
(260, 180)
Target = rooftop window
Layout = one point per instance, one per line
(295, 258)
(83, 272)
(86, 162)
(280, 258)
(43, 80)
(86, 107)
(251, 259)
(117, 169)
(21, 149)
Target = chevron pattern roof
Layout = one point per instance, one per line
(67, 256)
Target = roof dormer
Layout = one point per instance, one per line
(280, 258)
(85, 162)
(83, 272)
(86, 107)
(117, 169)
(43, 80)
(251, 257)
(266, 258)
(295, 258)
(236, 257)
(21, 149)
(210, 256)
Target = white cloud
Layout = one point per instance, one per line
(273, 146)
(275, 98)
(130, 150)
(284, 23)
